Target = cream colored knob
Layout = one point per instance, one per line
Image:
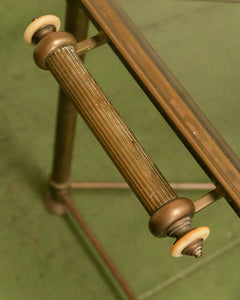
(195, 235)
(39, 23)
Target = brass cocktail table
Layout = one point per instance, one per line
(62, 53)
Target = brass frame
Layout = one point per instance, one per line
(181, 112)
(203, 141)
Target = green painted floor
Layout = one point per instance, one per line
(47, 257)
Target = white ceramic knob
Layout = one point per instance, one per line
(192, 236)
(39, 23)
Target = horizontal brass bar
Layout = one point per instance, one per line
(123, 185)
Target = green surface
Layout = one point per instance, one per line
(48, 257)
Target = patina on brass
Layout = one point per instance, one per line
(169, 214)
(40, 33)
(57, 51)
(91, 43)
(200, 137)
(50, 43)
(141, 174)
(173, 219)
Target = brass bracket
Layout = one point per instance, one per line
(91, 43)
(209, 198)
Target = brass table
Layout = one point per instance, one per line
(63, 53)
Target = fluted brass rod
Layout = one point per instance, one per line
(136, 167)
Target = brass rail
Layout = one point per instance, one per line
(200, 137)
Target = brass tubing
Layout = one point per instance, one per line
(193, 186)
(76, 22)
(66, 123)
(120, 144)
(96, 244)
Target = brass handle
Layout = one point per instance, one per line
(56, 51)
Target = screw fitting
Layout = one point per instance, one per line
(173, 219)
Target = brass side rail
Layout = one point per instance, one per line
(203, 141)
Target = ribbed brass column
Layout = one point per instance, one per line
(120, 144)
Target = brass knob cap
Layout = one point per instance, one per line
(169, 214)
(42, 32)
(39, 23)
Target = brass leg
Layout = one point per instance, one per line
(77, 23)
